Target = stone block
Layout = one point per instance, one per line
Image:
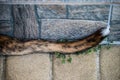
(25, 23)
(5, 28)
(51, 11)
(88, 12)
(55, 29)
(116, 12)
(83, 67)
(28, 67)
(110, 63)
(5, 13)
(115, 31)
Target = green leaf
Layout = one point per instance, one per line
(99, 47)
(57, 54)
(78, 53)
(95, 49)
(91, 51)
(108, 46)
(63, 61)
(63, 56)
(88, 51)
(69, 59)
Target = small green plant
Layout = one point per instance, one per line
(108, 46)
(68, 58)
(63, 57)
(79, 52)
(90, 51)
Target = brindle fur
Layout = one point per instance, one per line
(12, 46)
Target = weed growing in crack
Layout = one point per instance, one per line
(67, 58)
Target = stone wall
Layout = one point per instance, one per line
(53, 22)
(57, 1)
(32, 21)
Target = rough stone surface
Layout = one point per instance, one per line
(55, 29)
(87, 1)
(5, 28)
(116, 12)
(31, 1)
(114, 34)
(54, 0)
(115, 31)
(83, 67)
(110, 63)
(25, 23)
(24, 1)
(88, 12)
(115, 24)
(28, 67)
(51, 11)
(1, 67)
(5, 12)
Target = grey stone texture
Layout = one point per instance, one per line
(83, 67)
(5, 13)
(115, 33)
(116, 1)
(18, 1)
(54, 0)
(5, 28)
(115, 24)
(28, 67)
(51, 11)
(25, 23)
(87, 1)
(55, 29)
(110, 63)
(88, 12)
(116, 12)
(31, 1)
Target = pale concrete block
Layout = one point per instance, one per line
(83, 67)
(28, 67)
(1, 67)
(110, 63)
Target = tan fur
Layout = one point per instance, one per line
(11, 46)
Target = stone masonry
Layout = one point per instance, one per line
(56, 1)
(55, 22)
